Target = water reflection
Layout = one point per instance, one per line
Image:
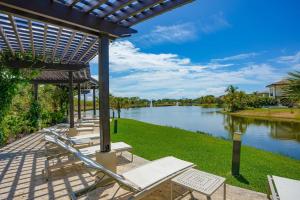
(290, 132)
(277, 129)
(235, 124)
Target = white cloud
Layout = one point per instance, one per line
(294, 59)
(177, 33)
(236, 57)
(213, 23)
(182, 32)
(125, 56)
(148, 75)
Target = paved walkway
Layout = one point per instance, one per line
(22, 162)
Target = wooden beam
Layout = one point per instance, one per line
(88, 50)
(79, 101)
(157, 10)
(135, 9)
(58, 14)
(68, 45)
(78, 48)
(31, 38)
(94, 101)
(14, 26)
(84, 103)
(48, 66)
(56, 43)
(2, 34)
(71, 100)
(103, 69)
(64, 82)
(45, 41)
(95, 5)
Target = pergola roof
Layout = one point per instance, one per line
(66, 31)
(62, 77)
(51, 43)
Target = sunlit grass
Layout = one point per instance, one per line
(210, 154)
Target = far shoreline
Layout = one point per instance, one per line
(270, 114)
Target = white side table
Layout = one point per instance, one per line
(198, 181)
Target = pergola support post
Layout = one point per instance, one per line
(103, 74)
(35, 91)
(79, 102)
(94, 101)
(84, 103)
(72, 130)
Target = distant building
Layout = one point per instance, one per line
(276, 89)
(263, 93)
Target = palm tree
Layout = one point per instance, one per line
(293, 88)
(231, 89)
(230, 97)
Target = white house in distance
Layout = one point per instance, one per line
(276, 89)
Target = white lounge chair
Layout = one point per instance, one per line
(75, 140)
(80, 127)
(118, 147)
(141, 180)
(283, 188)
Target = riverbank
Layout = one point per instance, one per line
(210, 154)
(281, 114)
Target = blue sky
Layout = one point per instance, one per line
(203, 47)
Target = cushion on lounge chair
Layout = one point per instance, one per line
(118, 147)
(90, 136)
(86, 124)
(56, 134)
(79, 139)
(155, 171)
(287, 189)
(85, 129)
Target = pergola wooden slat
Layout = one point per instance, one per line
(6, 40)
(94, 5)
(14, 26)
(68, 34)
(31, 38)
(134, 10)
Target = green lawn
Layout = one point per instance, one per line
(208, 153)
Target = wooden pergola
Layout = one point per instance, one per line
(82, 80)
(67, 34)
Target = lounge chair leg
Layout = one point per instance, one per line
(131, 156)
(224, 191)
(46, 170)
(116, 193)
(171, 190)
(191, 192)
